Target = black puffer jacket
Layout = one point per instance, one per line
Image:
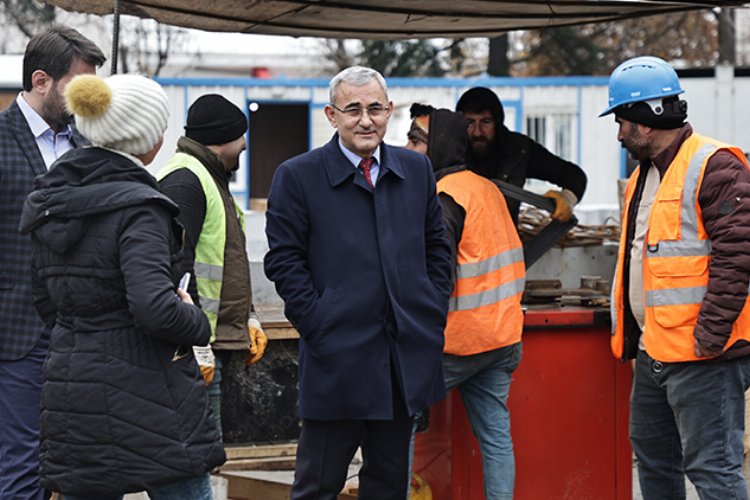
(119, 412)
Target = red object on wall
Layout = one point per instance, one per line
(569, 403)
(260, 72)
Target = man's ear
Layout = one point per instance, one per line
(331, 115)
(41, 82)
(644, 129)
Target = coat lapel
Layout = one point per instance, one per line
(338, 168)
(26, 139)
(389, 162)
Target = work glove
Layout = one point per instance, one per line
(258, 341)
(204, 355)
(563, 207)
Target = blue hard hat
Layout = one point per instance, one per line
(641, 79)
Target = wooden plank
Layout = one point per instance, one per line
(265, 463)
(275, 324)
(260, 451)
(244, 486)
(248, 488)
(280, 333)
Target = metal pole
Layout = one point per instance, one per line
(115, 37)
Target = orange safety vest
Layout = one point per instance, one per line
(485, 307)
(676, 259)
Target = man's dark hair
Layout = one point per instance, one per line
(418, 109)
(54, 50)
(478, 99)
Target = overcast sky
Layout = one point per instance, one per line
(239, 43)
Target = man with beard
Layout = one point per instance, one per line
(681, 289)
(197, 179)
(497, 153)
(35, 130)
(485, 320)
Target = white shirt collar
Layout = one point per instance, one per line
(354, 158)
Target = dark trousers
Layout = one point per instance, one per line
(20, 392)
(326, 448)
(688, 419)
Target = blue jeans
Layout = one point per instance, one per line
(483, 380)
(688, 419)
(214, 393)
(198, 488)
(20, 393)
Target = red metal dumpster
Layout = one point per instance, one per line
(569, 418)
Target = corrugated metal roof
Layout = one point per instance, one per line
(382, 19)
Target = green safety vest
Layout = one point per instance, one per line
(209, 251)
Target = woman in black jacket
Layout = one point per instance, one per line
(124, 406)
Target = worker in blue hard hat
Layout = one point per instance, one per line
(680, 295)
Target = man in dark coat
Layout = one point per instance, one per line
(34, 131)
(497, 153)
(359, 257)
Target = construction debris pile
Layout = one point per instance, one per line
(532, 220)
(593, 292)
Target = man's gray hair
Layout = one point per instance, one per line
(357, 76)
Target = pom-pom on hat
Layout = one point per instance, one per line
(124, 112)
(212, 119)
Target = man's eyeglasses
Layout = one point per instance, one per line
(373, 111)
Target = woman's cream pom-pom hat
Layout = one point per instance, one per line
(128, 113)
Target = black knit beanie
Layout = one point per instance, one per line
(673, 113)
(212, 119)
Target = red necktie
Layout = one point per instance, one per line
(366, 165)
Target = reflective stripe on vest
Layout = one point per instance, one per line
(485, 297)
(485, 307)
(209, 250)
(689, 245)
(473, 269)
(676, 259)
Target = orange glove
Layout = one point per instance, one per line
(563, 209)
(208, 373)
(258, 341)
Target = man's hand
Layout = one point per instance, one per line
(258, 341)
(706, 350)
(563, 208)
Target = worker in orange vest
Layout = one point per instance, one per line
(485, 320)
(681, 289)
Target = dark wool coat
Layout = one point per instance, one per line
(120, 412)
(365, 278)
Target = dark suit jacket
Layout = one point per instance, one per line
(20, 162)
(365, 278)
